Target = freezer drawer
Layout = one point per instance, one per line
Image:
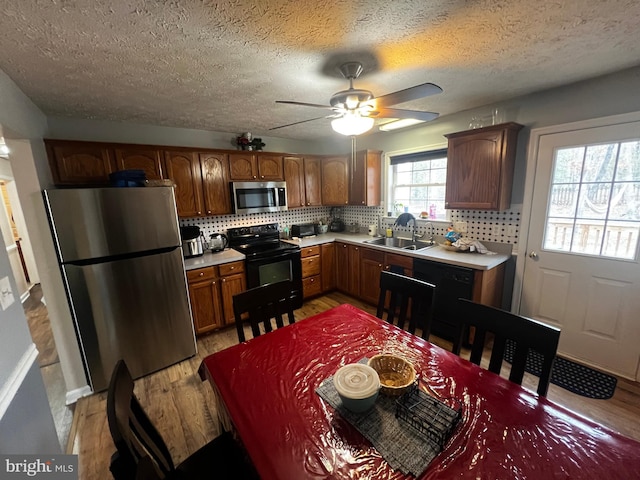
(136, 309)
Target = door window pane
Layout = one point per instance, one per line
(594, 205)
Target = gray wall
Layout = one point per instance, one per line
(26, 424)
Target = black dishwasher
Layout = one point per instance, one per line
(451, 283)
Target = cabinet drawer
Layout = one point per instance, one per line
(310, 251)
(398, 260)
(207, 273)
(311, 286)
(310, 266)
(231, 268)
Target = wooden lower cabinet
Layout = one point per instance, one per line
(348, 268)
(328, 259)
(371, 264)
(211, 291)
(311, 271)
(206, 303)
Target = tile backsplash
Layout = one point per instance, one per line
(489, 226)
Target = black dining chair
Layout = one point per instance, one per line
(263, 303)
(410, 301)
(135, 437)
(527, 334)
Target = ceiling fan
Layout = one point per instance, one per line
(355, 110)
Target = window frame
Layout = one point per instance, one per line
(387, 178)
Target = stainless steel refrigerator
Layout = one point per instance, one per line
(122, 265)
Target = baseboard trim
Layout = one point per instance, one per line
(10, 388)
(74, 395)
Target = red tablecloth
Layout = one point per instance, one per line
(268, 387)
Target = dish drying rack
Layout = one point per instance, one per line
(428, 415)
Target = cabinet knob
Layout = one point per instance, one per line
(254, 176)
(363, 202)
(261, 176)
(201, 274)
(224, 280)
(386, 267)
(357, 248)
(308, 203)
(199, 213)
(209, 212)
(312, 280)
(232, 268)
(379, 265)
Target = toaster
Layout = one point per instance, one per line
(303, 230)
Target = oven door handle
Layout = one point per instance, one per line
(274, 257)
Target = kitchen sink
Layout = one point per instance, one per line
(401, 243)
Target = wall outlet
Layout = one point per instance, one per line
(6, 294)
(512, 231)
(460, 227)
(496, 230)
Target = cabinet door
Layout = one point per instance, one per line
(270, 167)
(335, 181)
(184, 169)
(79, 163)
(206, 305)
(480, 167)
(294, 176)
(140, 158)
(242, 167)
(215, 183)
(231, 285)
(366, 172)
(312, 181)
(371, 264)
(342, 273)
(328, 259)
(354, 271)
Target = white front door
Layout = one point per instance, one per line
(581, 271)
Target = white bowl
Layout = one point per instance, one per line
(357, 385)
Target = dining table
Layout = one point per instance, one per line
(267, 392)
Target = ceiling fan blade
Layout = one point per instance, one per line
(304, 104)
(296, 123)
(406, 95)
(398, 113)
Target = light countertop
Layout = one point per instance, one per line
(477, 261)
(209, 259)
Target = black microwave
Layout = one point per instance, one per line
(257, 197)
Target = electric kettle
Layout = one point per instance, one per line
(219, 242)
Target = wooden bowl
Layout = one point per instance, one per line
(396, 374)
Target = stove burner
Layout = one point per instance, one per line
(259, 241)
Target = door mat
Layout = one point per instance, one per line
(569, 375)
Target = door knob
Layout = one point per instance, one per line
(533, 254)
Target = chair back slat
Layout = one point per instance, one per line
(410, 302)
(526, 333)
(133, 433)
(262, 304)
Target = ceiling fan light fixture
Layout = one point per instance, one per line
(396, 124)
(352, 124)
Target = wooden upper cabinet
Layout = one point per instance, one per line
(480, 167)
(79, 163)
(215, 183)
(270, 167)
(294, 176)
(184, 169)
(366, 177)
(313, 181)
(335, 181)
(148, 159)
(243, 166)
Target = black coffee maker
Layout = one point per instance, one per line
(336, 225)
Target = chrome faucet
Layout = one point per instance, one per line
(432, 236)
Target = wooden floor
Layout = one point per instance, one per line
(181, 405)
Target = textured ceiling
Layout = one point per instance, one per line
(221, 65)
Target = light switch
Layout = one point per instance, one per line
(6, 294)
(460, 227)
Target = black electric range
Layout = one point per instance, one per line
(267, 258)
